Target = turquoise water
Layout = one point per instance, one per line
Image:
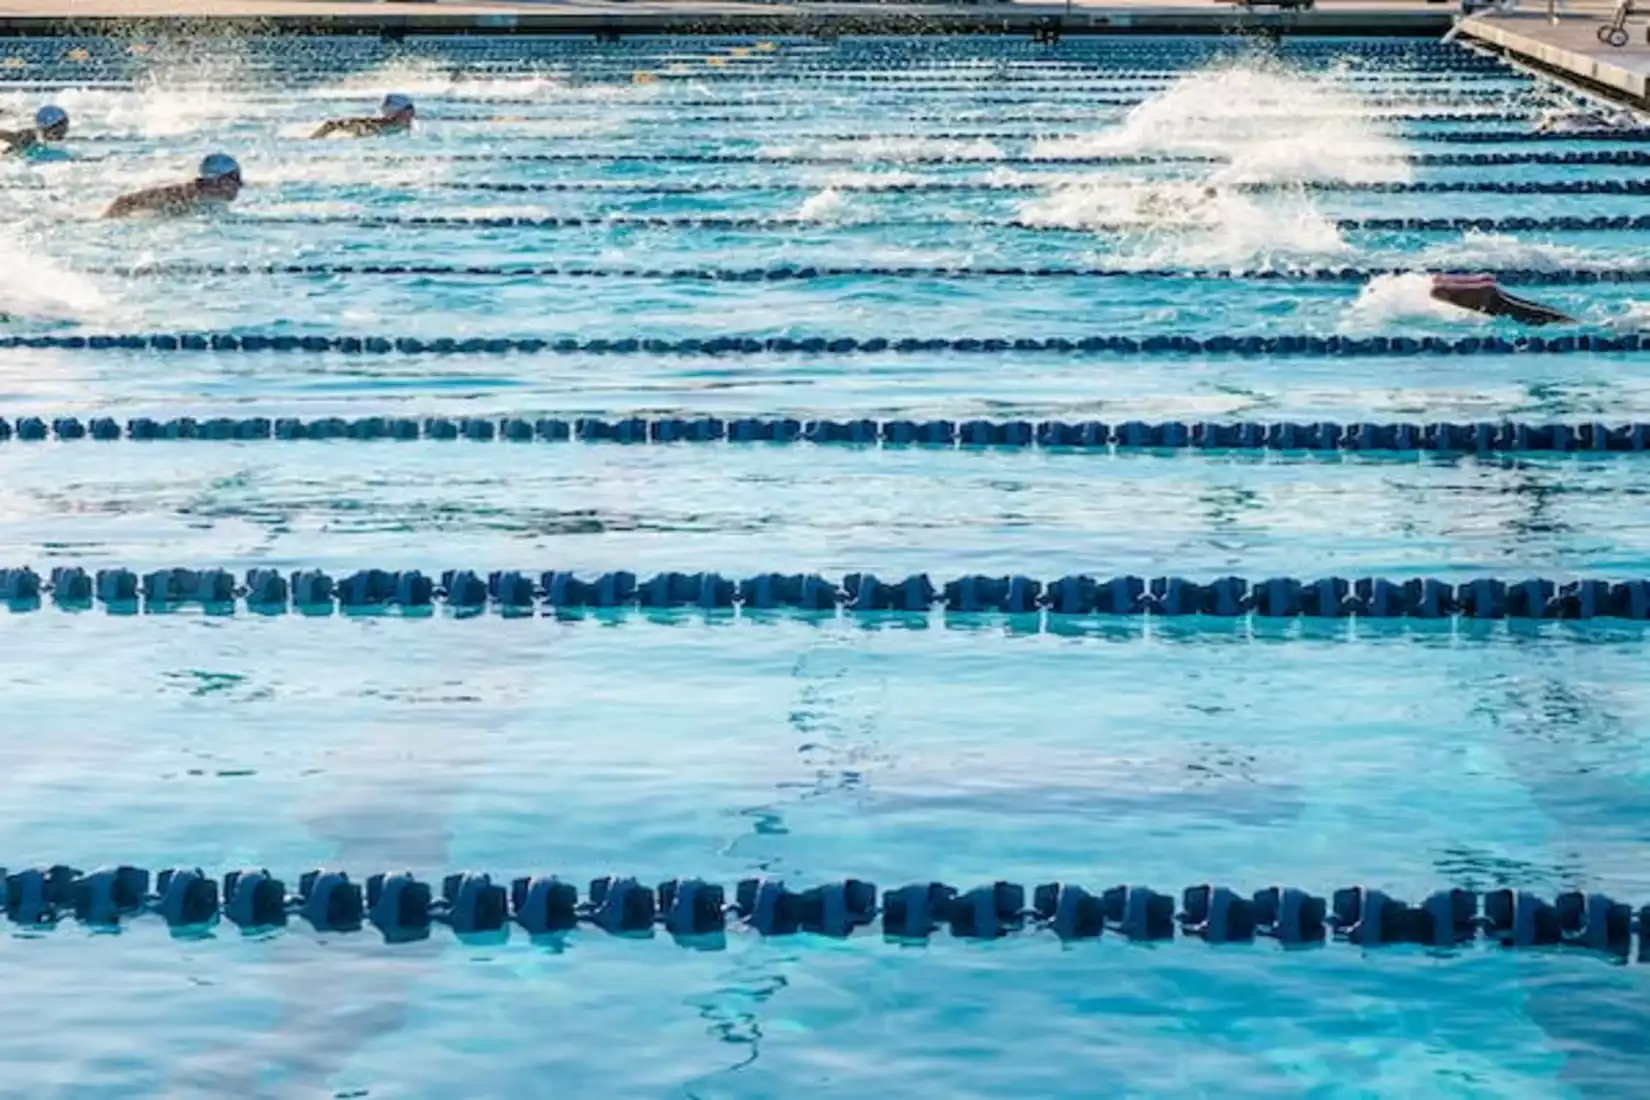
(1403, 757)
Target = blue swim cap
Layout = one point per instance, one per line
(219, 165)
(50, 116)
(395, 102)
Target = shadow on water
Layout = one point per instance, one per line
(1558, 723)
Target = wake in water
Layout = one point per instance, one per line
(894, 148)
(32, 288)
(1394, 301)
(828, 205)
(1476, 250)
(426, 80)
(1191, 223)
(1249, 118)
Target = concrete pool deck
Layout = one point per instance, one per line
(1330, 17)
(1569, 46)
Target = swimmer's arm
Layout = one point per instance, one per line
(126, 204)
(156, 199)
(348, 127)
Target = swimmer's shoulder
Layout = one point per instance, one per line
(171, 199)
(350, 127)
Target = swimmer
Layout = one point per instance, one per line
(217, 183)
(394, 117)
(1570, 122)
(1481, 294)
(1176, 206)
(50, 124)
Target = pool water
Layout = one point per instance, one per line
(895, 749)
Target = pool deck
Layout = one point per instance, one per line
(1332, 17)
(1569, 46)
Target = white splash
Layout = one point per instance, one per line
(153, 110)
(1475, 249)
(828, 205)
(889, 148)
(850, 179)
(1260, 125)
(430, 80)
(1268, 125)
(1180, 223)
(34, 288)
(1633, 317)
(1387, 300)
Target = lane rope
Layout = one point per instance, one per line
(1437, 437)
(1628, 157)
(1508, 224)
(1249, 346)
(403, 909)
(269, 591)
(1035, 118)
(802, 272)
(1634, 187)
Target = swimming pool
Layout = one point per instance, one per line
(772, 200)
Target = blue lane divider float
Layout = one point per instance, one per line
(805, 272)
(909, 187)
(403, 908)
(280, 52)
(920, 81)
(1042, 120)
(1594, 157)
(889, 78)
(1418, 113)
(964, 80)
(726, 222)
(268, 591)
(1123, 70)
(1438, 437)
(1269, 347)
(1029, 97)
(1629, 157)
(1511, 137)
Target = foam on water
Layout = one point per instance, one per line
(423, 78)
(1387, 299)
(1634, 317)
(855, 177)
(1192, 224)
(887, 148)
(1251, 116)
(1248, 117)
(154, 110)
(33, 287)
(827, 206)
(1478, 249)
